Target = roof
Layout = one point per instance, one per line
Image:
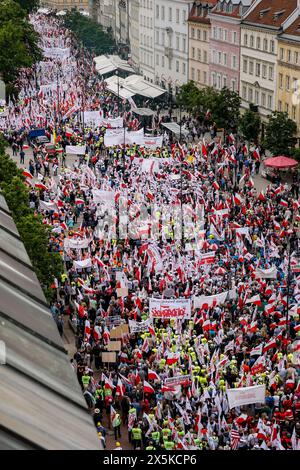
(143, 111)
(133, 85)
(175, 128)
(41, 406)
(293, 29)
(199, 12)
(106, 64)
(272, 13)
(239, 7)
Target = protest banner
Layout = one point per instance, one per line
(170, 308)
(75, 149)
(177, 380)
(210, 300)
(114, 346)
(137, 327)
(109, 357)
(246, 395)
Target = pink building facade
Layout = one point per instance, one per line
(224, 63)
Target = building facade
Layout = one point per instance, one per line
(224, 66)
(288, 72)
(81, 5)
(146, 46)
(199, 42)
(259, 52)
(106, 14)
(171, 43)
(134, 34)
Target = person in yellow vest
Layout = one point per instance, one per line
(85, 380)
(117, 426)
(169, 445)
(136, 437)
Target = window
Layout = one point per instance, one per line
(280, 80)
(157, 37)
(183, 68)
(204, 78)
(272, 46)
(233, 85)
(256, 97)
(257, 71)
(245, 65)
(170, 14)
(193, 32)
(220, 34)
(270, 73)
(258, 42)
(162, 12)
(199, 55)
(184, 16)
(163, 38)
(177, 65)
(295, 57)
(177, 15)
(289, 55)
(219, 57)
(264, 71)
(287, 108)
(244, 93)
(157, 59)
(265, 44)
(250, 95)
(157, 11)
(193, 74)
(281, 53)
(199, 34)
(234, 62)
(294, 112)
(287, 83)
(183, 44)
(251, 68)
(204, 35)
(263, 99)
(279, 105)
(198, 76)
(193, 53)
(177, 43)
(162, 60)
(234, 39)
(270, 101)
(213, 79)
(224, 82)
(225, 34)
(219, 81)
(295, 84)
(224, 58)
(251, 41)
(205, 57)
(214, 32)
(245, 39)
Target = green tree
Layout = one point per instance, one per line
(28, 5)
(226, 109)
(250, 123)
(279, 134)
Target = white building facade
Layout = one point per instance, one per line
(146, 46)
(134, 33)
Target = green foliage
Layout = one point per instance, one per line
(250, 123)
(28, 5)
(296, 154)
(89, 32)
(34, 234)
(224, 105)
(280, 132)
(18, 41)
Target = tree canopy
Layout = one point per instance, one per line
(250, 124)
(280, 133)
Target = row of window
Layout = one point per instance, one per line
(146, 40)
(162, 40)
(201, 35)
(286, 55)
(258, 97)
(160, 14)
(222, 34)
(285, 107)
(258, 69)
(220, 81)
(221, 58)
(290, 84)
(146, 21)
(264, 45)
(200, 76)
(146, 4)
(161, 60)
(201, 56)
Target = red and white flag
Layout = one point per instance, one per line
(148, 388)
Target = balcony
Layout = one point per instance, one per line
(169, 52)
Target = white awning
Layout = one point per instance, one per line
(61, 13)
(44, 11)
(106, 64)
(133, 85)
(112, 85)
(175, 128)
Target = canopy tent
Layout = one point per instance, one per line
(61, 13)
(175, 128)
(144, 112)
(133, 85)
(106, 64)
(280, 162)
(44, 11)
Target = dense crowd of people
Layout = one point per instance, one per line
(180, 277)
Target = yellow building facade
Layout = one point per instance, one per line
(288, 73)
(83, 5)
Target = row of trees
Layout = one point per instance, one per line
(224, 109)
(18, 41)
(34, 234)
(89, 32)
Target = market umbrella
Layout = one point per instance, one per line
(280, 162)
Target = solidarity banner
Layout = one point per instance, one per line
(177, 380)
(210, 300)
(118, 137)
(138, 327)
(100, 195)
(77, 244)
(270, 273)
(86, 263)
(207, 258)
(246, 395)
(92, 118)
(57, 52)
(153, 142)
(75, 149)
(112, 122)
(170, 308)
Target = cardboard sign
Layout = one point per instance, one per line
(109, 357)
(116, 333)
(122, 292)
(114, 346)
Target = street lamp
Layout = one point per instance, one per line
(117, 73)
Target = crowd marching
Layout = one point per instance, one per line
(180, 277)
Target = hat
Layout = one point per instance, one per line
(118, 444)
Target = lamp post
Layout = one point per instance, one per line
(117, 73)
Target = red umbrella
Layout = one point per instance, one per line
(281, 162)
